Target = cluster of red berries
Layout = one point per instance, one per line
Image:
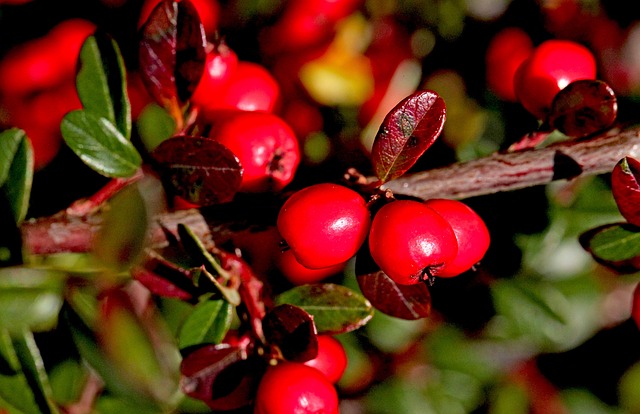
(326, 224)
(294, 387)
(533, 76)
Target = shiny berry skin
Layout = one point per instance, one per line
(298, 275)
(410, 241)
(551, 66)
(471, 233)
(294, 388)
(324, 224)
(265, 145)
(251, 88)
(220, 64)
(331, 359)
(505, 53)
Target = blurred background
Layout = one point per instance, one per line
(539, 327)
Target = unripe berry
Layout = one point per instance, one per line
(292, 387)
(551, 66)
(324, 224)
(331, 359)
(409, 241)
(265, 145)
(471, 233)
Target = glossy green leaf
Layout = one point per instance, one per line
(101, 82)
(335, 309)
(34, 371)
(29, 298)
(122, 236)
(16, 170)
(99, 144)
(616, 243)
(208, 323)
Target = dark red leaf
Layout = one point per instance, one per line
(583, 108)
(626, 188)
(164, 278)
(401, 301)
(406, 133)
(222, 376)
(172, 53)
(200, 170)
(529, 141)
(293, 331)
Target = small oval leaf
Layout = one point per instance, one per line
(335, 309)
(208, 323)
(584, 107)
(172, 53)
(408, 302)
(293, 331)
(101, 82)
(613, 243)
(99, 144)
(625, 187)
(407, 131)
(200, 170)
(16, 171)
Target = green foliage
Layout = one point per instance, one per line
(335, 308)
(99, 144)
(16, 170)
(208, 323)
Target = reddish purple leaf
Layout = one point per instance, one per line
(222, 376)
(200, 170)
(164, 278)
(401, 301)
(529, 141)
(172, 53)
(293, 331)
(583, 108)
(626, 188)
(406, 133)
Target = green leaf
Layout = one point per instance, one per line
(155, 125)
(99, 144)
(101, 82)
(335, 309)
(68, 379)
(616, 243)
(15, 393)
(34, 371)
(29, 298)
(122, 236)
(16, 170)
(208, 323)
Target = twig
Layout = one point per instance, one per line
(498, 172)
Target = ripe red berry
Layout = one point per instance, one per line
(551, 66)
(471, 233)
(297, 274)
(505, 53)
(265, 145)
(292, 387)
(324, 224)
(409, 241)
(220, 64)
(331, 359)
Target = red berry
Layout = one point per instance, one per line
(220, 64)
(297, 274)
(505, 53)
(409, 240)
(295, 388)
(265, 145)
(551, 66)
(251, 88)
(471, 233)
(324, 224)
(331, 359)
